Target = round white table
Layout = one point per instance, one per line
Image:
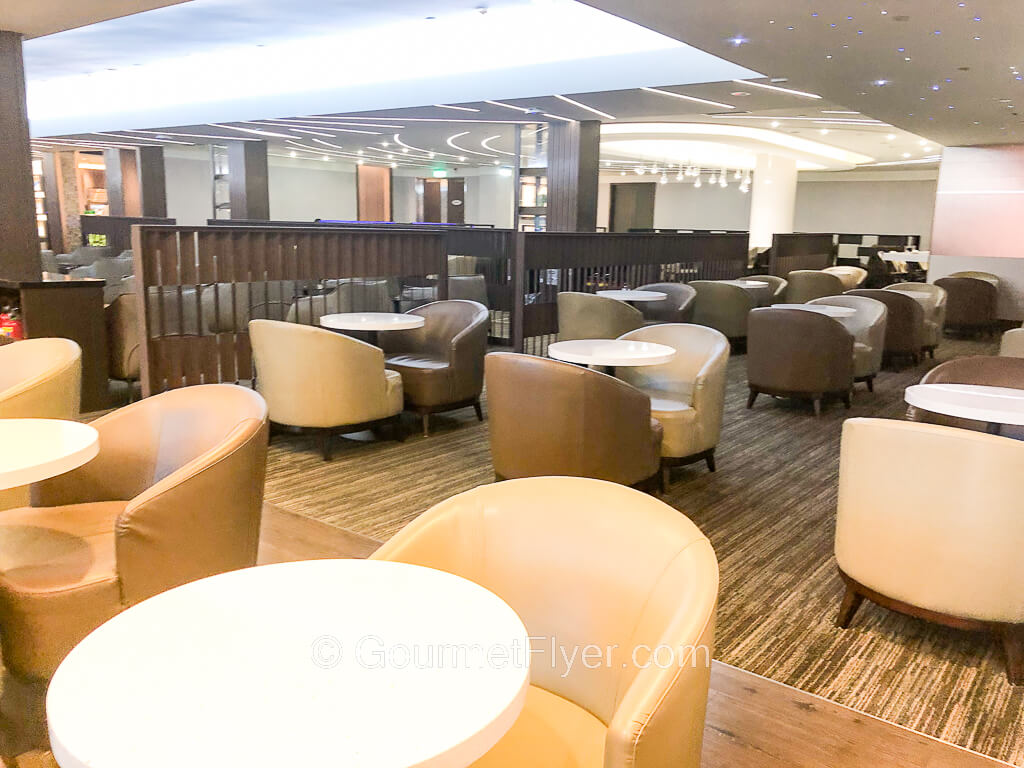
(759, 290)
(627, 295)
(324, 662)
(370, 323)
(994, 405)
(611, 353)
(36, 449)
(821, 309)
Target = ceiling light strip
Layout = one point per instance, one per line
(194, 135)
(687, 98)
(429, 152)
(768, 87)
(136, 138)
(269, 134)
(450, 141)
(575, 103)
(508, 106)
(460, 109)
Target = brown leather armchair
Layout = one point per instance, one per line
(442, 363)
(794, 353)
(553, 418)
(904, 323)
(970, 304)
(722, 306)
(676, 307)
(123, 340)
(174, 495)
(588, 316)
(988, 371)
(852, 277)
(807, 284)
(778, 285)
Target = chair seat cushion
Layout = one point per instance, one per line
(58, 581)
(863, 360)
(426, 378)
(551, 732)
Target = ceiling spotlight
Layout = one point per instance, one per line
(723, 182)
(738, 175)
(697, 183)
(737, 41)
(325, 158)
(680, 176)
(823, 131)
(384, 144)
(640, 171)
(714, 179)
(880, 83)
(906, 155)
(293, 153)
(462, 159)
(405, 150)
(891, 137)
(394, 165)
(622, 173)
(663, 179)
(776, 123)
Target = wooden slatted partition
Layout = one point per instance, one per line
(800, 251)
(587, 262)
(199, 287)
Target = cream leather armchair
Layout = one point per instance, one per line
(723, 307)
(575, 538)
(323, 381)
(1012, 344)
(868, 330)
(852, 277)
(687, 393)
(123, 340)
(587, 316)
(807, 284)
(174, 495)
(945, 547)
(39, 379)
(933, 300)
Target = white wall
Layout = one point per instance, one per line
(878, 202)
(487, 199)
(189, 185)
(303, 190)
(678, 205)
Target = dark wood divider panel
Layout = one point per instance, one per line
(800, 251)
(200, 286)
(553, 262)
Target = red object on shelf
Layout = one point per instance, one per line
(10, 326)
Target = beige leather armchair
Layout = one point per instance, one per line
(557, 549)
(946, 547)
(778, 285)
(851, 277)
(1012, 343)
(723, 307)
(986, 276)
(807, 284)
(676, 307)
(174, 495)
(346, 296)
(587, 316)
(868, 330)
(123, 340)
(442, 363)
(323, 381)
(687, 393)
(933, 300)
(553, 418)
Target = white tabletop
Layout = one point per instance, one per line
(996, 405)
(371, 321)
(614, 352)
(35, 449)
(625, 295)
(748, 283)
(821, 309)
(325, 662)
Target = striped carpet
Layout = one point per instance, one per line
(769, 511)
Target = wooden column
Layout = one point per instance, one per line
(68, 199)
(51, 187)
(153, 182)
(19, 239)
(247, 180)
(574, 151)
(122, 173)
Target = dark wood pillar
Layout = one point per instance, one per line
(247, 180)
(153, 182)
(19, 239)
(574, 156)
(122, 174)
(51, 188)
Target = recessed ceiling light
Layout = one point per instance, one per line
(740, 93)
(776, 123)
(881, 82)
(906, 154)
(891, 137)
(823, 131)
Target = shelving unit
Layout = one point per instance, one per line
(220, 190)
(39, 191)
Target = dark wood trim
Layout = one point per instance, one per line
(51, 188)
(153, 183)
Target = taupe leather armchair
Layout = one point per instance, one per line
(933, 300)
(442, 363)
(777, 283)
(575, 537)
(986, 276)
(971, 303)
(676, 307)
(468, 287)
(945, 547)
(1012, 343)
(123, 340)
(553, 418)
(174, 495)
(347, 296)
(723, 307)
(904, 323)
(807, 284)
(985, 370)
(851, 277)
(228, 307)
(868, 330)
(587, 316)
(687, 393)
(799, 354)
(323, 381)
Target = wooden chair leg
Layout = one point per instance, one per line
(871, 383)
(426, 424)
(325, 443)
(710, 460)
(847, 401)
(666, 477)
(1013, 644)
(479, 411)
(750, 400)
(851, 602)
(817, 407)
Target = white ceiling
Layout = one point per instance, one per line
(34, 18)
(945, 69)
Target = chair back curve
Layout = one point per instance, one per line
(40, 378)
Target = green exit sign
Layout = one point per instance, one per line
(440, 174)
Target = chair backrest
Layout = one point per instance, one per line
(585, 423)
(807, 284)
(722, 306)
(587, 316)
(867, 326)
(983, 369)
(676, 307)
(949, 541)
(40, 379)
(345, 296)
(970, 301)
(87, 254)
(777, 283)
(556, 551)
(793, 350)
(461, 265)
(986, 276)
(228, 307)
(852, 277)
(173, 311)
(1012, 343)
(468, 287)
(312, 377)
(932, 297)
(49, 262)
(123, 337)
(904, 322)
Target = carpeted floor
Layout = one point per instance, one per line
(769, 511)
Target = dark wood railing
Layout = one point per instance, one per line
(801, 251)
